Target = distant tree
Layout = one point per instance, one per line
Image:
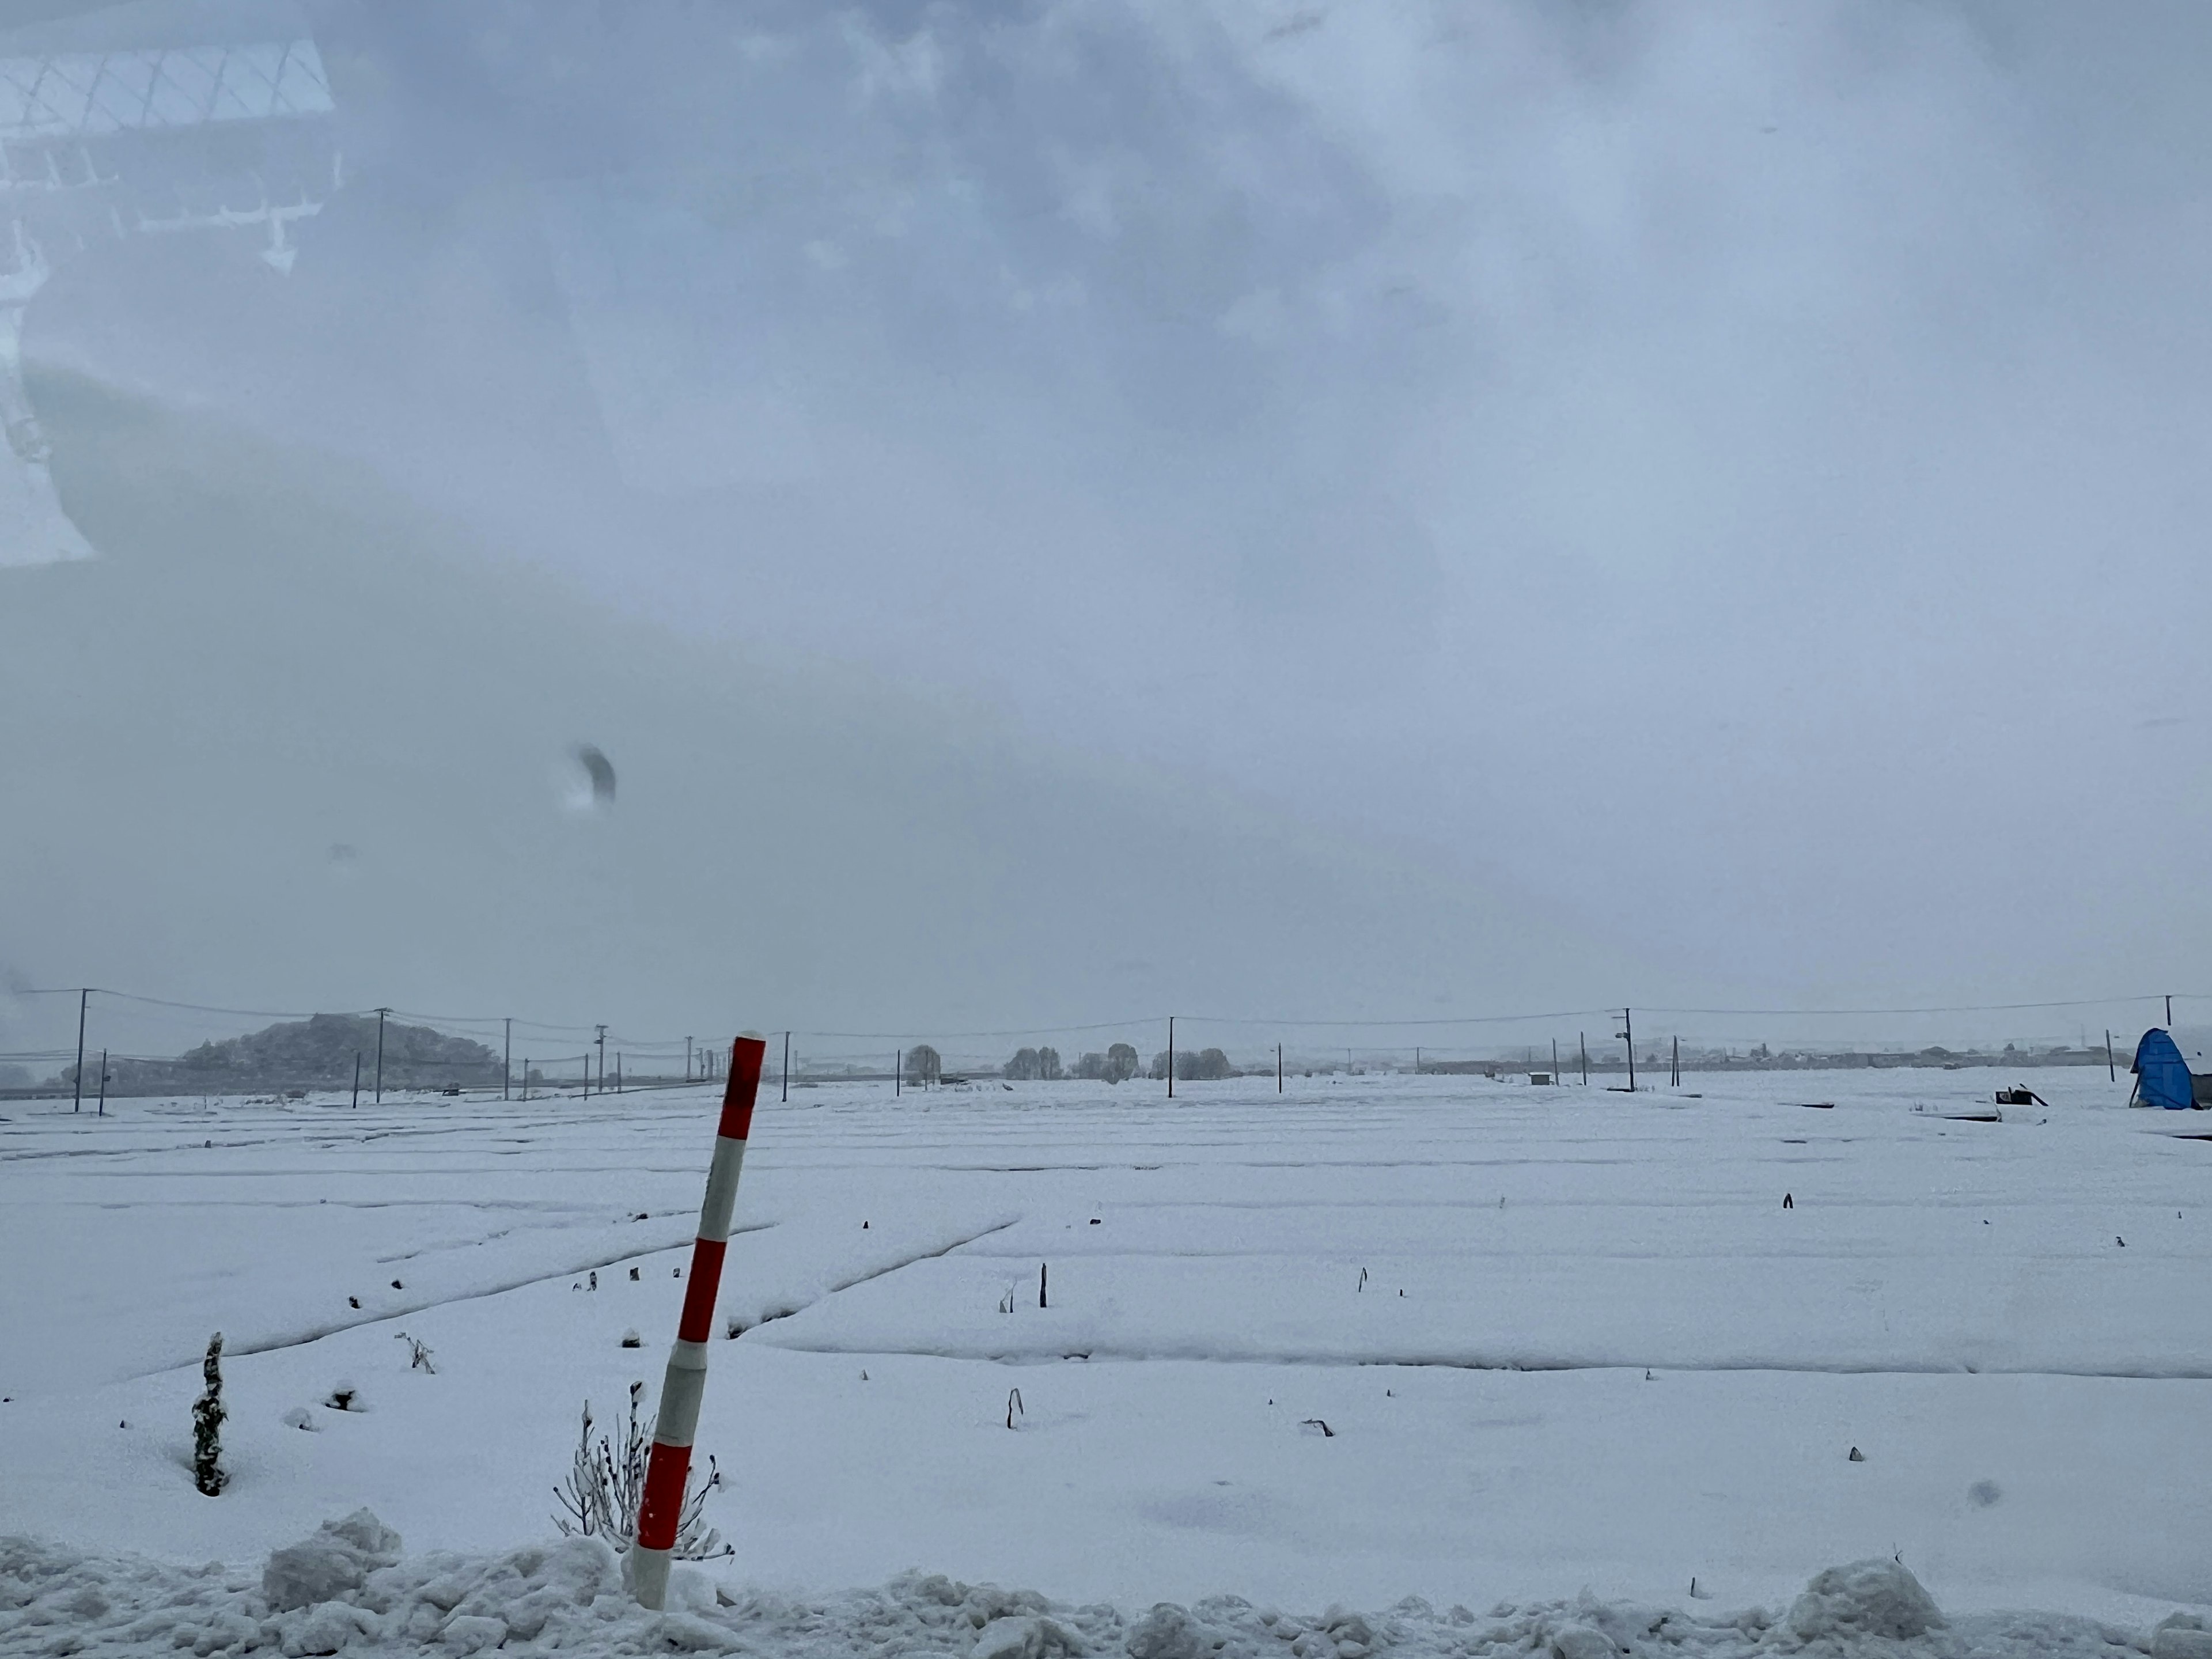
(1159, 1071)
(1121, 1063)
(923, 1064)
(1023, 1066)
(1048, 1064)
(1209, 1065)
(1092, 1067)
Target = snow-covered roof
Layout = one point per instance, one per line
(84, 94)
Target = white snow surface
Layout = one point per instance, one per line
(345, 1590)
(1569, 1347)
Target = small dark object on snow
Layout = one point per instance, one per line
(1648, 1377)
(640, 1216)
(397, 1285)
(2021, 1096)
(632, 1339)
(418, 1357)
(1327, 1433)
(206, 1425)
(1401, 1292)
(864, 1227)
(1013, 1404)
(122, 1423)
(1095, 1222)
(594, 1284)
(1041, 1267)
(676, 1273)
(1788, 1202)
(2122, 1243)
(1985, 1492)
(633, 1274)
(352, 1302)
(340, 1399)
(1856, 1456)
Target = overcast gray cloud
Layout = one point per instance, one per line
(1726, 476)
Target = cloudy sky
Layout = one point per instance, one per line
(1724, 482)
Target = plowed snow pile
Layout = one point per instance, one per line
(348, 1589)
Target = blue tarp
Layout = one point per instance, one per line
(2162, 1074)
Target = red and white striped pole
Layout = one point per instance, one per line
(669, 1466)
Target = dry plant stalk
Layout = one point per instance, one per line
(604, 1489)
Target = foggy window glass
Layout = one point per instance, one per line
(1098, 828)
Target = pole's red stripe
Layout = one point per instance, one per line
(664, 1475)
(747, 1056)
(697, 1324)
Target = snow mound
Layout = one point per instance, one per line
(348, 1589)
(332, 1563)
(1866, 1598)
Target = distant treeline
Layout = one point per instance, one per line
(316, 1052)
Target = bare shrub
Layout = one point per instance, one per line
(604, 1487)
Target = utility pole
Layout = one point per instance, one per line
(1417, 1060)
(1582, 1043)
(2111, 1067)
(103, 1082)
(506, 1064)
(525, 1077)
(898, 1073)
(356, 1079)
(1171, 1056)
(786, 1065)
(603, 1064)
(1279, 1068)
(1677, 1064)
(1555, 1060)
(1628, 1036)
(687, 1060)
(380, 1014)
(83, 998)
(2169, 1011)
(617, 1070)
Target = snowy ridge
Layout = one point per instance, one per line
(348, 1589)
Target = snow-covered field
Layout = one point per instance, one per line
(1563, 1341)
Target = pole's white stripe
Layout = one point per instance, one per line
(648, 1575)
(681, 1390)
(721, 1189)
(689, 1356)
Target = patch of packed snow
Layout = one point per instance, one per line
(347, 1589)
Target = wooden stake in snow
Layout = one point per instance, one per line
(662, 1511)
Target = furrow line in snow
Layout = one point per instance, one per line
(383, 1316)
(874, 1273)
(1095, 1354)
